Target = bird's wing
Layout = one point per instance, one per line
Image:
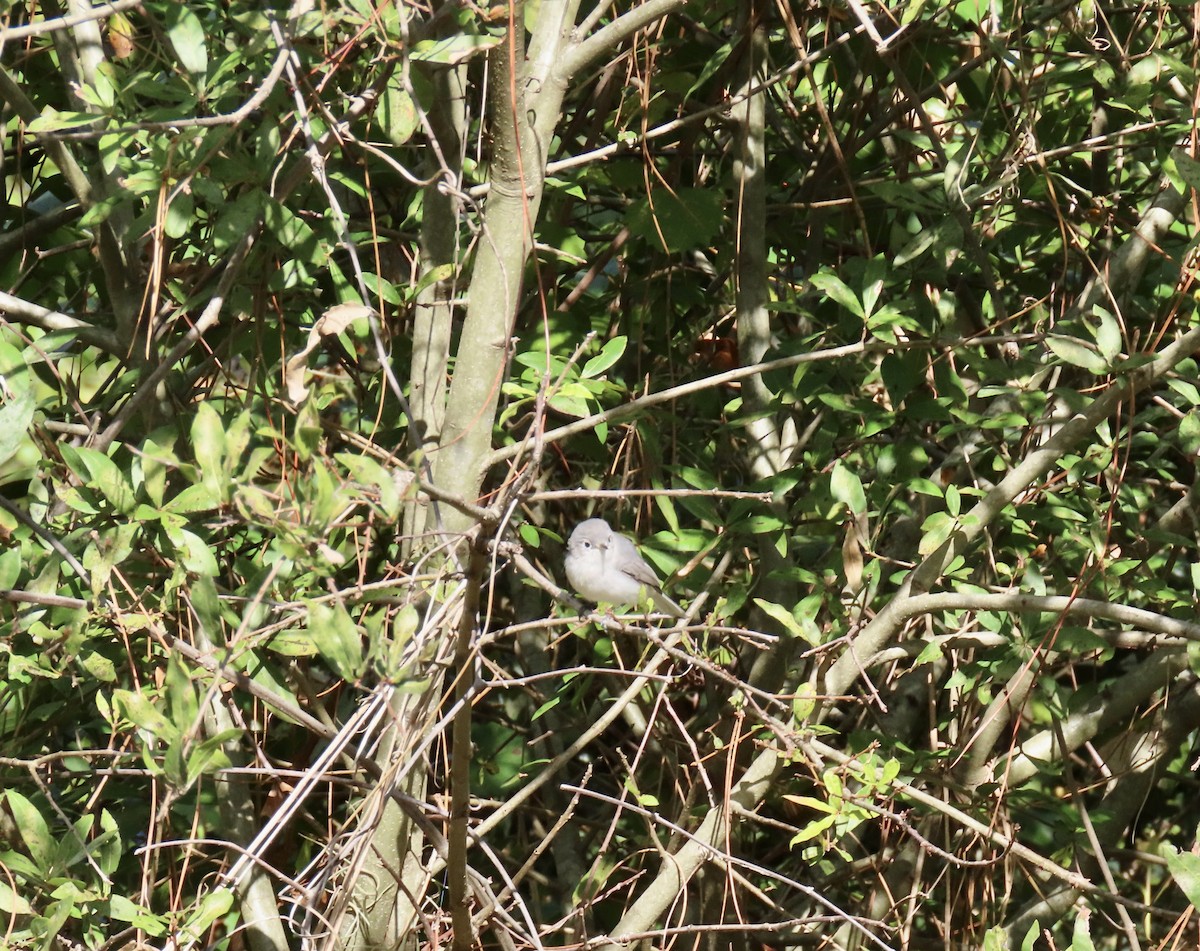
(632, 563)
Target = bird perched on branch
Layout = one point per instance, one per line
(605, 567)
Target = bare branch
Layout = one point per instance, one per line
(64, 23)
(27, 312)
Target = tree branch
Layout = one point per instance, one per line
(883, 628)
(27, 312)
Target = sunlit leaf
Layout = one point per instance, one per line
(187, 37)
(609, 354)
(847, 488)
(34, 831)
(1078, 354)
(16, 413)
(454, 49)
(833, 286)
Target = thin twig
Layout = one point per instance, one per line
(65, 23)
(244, 111)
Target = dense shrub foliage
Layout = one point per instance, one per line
(322, 325)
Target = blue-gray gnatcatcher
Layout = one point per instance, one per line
(605, 567)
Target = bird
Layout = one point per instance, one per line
(605, 567)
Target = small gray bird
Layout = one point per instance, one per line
(605, 567)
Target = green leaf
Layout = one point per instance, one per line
(102, 210)
(236, 220)
(1189, 432)
(689, 218)
(213, 905)
(609, 354)
(379, 288)
(186, 34)
(121, 908)
(296, 643)
(34, 831)
(398, 113)
(901, 373)
(786, 620)
(11, 903)
(137, 708)
(10, 567)
(255, 505)
(1108, 335)
(51, 120)
(194, 498)
(1081, 937)
(847, 488)
(833, 286)
(810, 802)
(108, 850)
(196, 555)
(106, 551)
(183, 701)
(264, 674)
(813, 830)
(926, 487)
(15, 416)
(454, 49)
(442, 272)
(1075, 353)
(763, 524)
(916, 247)
(875, 274)
(1185, 869)
(371, 474)
(973, 11)
(337, 638)
(156, 460)
(180, 215)
(100, 473)
(715, 61)
(209, 755)
(55, 919)
(1186, 168)
(803, 703)
(208, 442)
(930, 653)
(294, 233)
(937, 528)
(1186, 389)
(570, 404)
(71, 847)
